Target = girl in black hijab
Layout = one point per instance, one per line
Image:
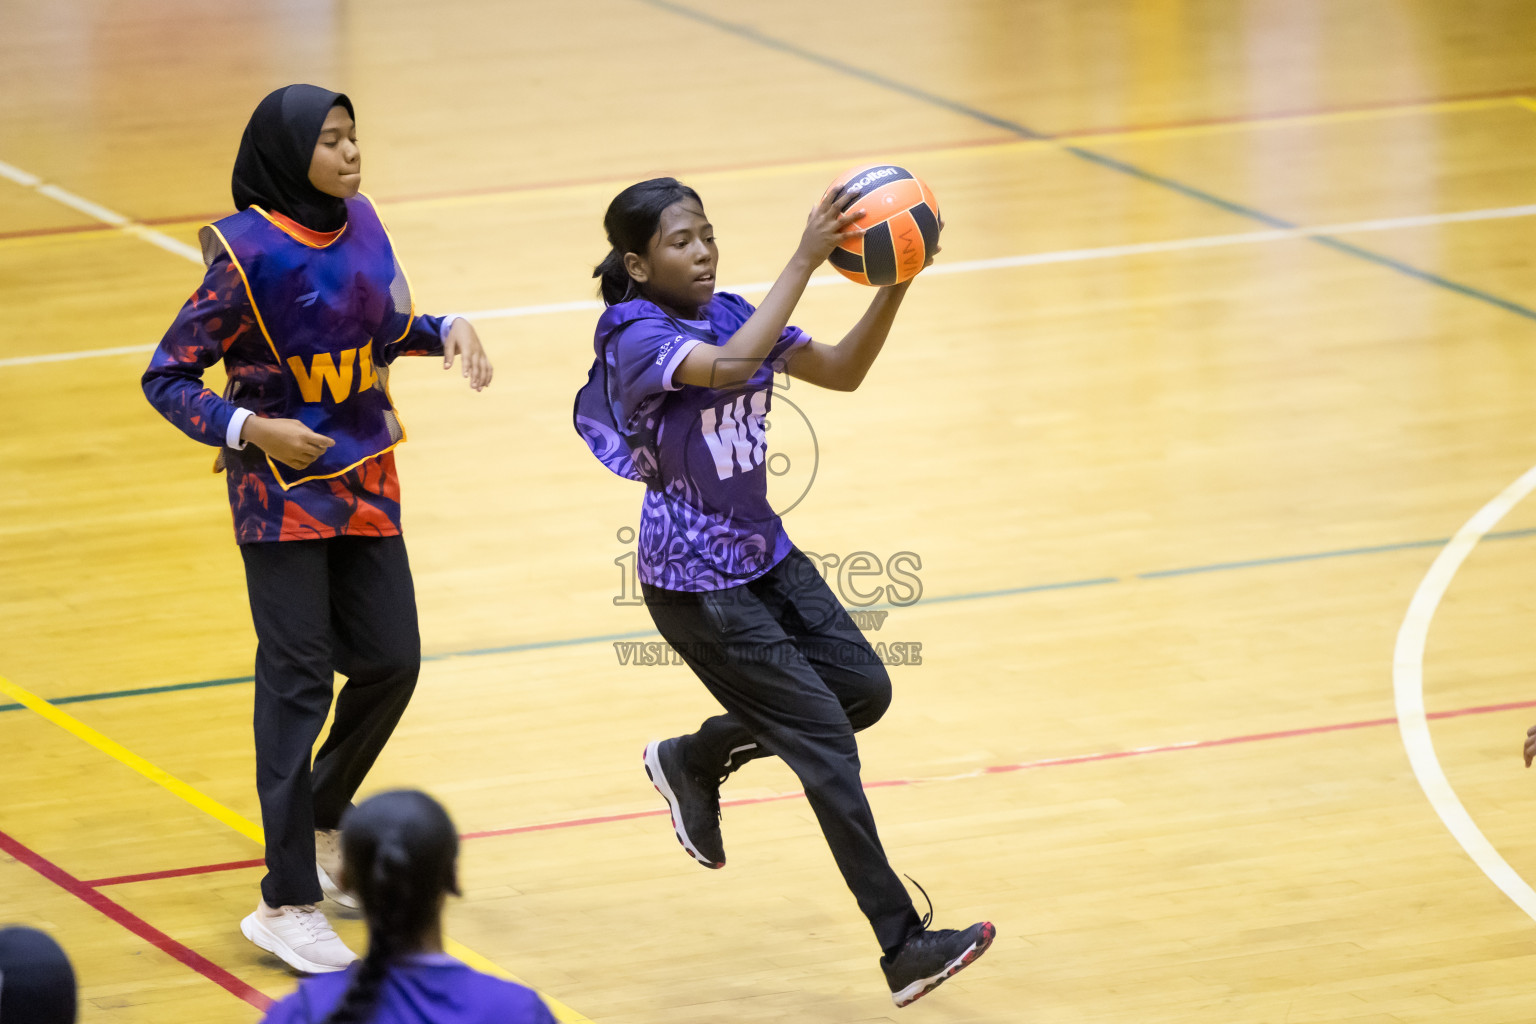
(307, 307)
(272, 167)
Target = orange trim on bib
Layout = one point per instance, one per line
(251, 297)
(277, 220)
(299, 233)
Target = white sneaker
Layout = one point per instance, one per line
(299, 936)
(328, 868)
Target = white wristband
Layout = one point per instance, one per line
(442, 332)
(236, 424)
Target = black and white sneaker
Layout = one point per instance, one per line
(929, 957)
(694, 802)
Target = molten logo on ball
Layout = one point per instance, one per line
(901, 225)
(874, 176)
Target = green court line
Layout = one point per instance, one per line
(975, 595)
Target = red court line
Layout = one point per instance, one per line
(1191, 745)
(504, 190)
(655, 813)
(1086, 133)
(1483, 709)
(570, 823)
(143, 929)
(87, 891)
(76, 229)
(150, 876)
(998, 769)
(990, 140)
(1256, 737)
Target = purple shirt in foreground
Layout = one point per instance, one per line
(422, 989)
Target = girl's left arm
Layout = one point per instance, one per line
(842, 367)
(447, 337)
(216, 317)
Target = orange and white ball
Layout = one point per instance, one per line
(901, 225)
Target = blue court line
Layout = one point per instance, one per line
(141, 691)
(233, 680)
(1009, 592)
(853, 71)
(1375, 549)
(1023, 131)
(974, 595)
(537, 645)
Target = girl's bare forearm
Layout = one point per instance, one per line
(858, 349)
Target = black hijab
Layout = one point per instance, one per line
(272, 167)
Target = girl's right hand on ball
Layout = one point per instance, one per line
(828, 226)
(288, 441)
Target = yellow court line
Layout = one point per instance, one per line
(159, 776)
(999, 148)
(245, 826)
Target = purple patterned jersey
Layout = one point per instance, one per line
(423, 988)
(705, 521)
(219, 323)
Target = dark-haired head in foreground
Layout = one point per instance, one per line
(400, 856)
(37, 985)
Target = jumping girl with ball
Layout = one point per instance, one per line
(677, 398)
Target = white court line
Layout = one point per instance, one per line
(1100, 253)
(99, 212)
(85, 206)
(64, 357)
(1408, 692)
(1035, 259)
(19, 176)
(1106, 252)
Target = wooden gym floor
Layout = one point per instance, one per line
(1234, 329)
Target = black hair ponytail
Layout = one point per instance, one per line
(614, 281)
(399, 851)
(631, 221)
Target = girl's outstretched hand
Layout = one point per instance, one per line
(826, 227)
(462, 340)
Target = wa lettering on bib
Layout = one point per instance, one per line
(325, 310)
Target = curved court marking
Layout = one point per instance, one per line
(246, 827)
(1408, 694)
